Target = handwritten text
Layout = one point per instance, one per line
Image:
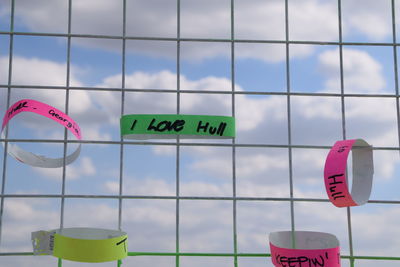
(301, 261)
(20, 105)
(333, 181)
(122, 242)
(178, 125)
(54, 114)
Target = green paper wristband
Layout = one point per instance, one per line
(153, 126)
(81, 244)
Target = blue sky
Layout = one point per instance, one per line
(150, 170)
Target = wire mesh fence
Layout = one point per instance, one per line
(192, 217)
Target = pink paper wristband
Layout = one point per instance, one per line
(335, 176)
(312, 249)
(29, 105)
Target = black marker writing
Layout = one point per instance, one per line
(301, 261)
(162, 126)
(133, 124)
(51, 242)
(58, 116)
(342, 149)
(20, 105)
(122, 241)
(332, 186)
(76, 129)
(68, 124)
(212, 130)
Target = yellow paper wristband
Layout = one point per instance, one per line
(82, 244)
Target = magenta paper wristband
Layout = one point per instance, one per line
(335, 173)
(29, 105)
(312, 249)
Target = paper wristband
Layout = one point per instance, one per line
(312, 249)
(81, 244)
(148, 126)
(335, 173)
(29, 105)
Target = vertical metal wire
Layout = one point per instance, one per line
(178, 110)
(234, 225)
(395, 69)
(121, 155)
(288, 90)
(343, 110)
(10, 61)
(66, 112)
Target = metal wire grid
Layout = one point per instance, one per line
(235, 254)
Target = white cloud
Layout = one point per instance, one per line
(374, 229)
(216, 24)
(362, 73)
(89, 213)
(148, 186)
(219, 166)
(251, 111)
(385, 165)
(199, 188)
(250, 165)
(313, 20)
(309, 20)
(368, 17)
(311, 108)
(269, 14)
(112, 187)
(86, 168)
(141, 102)
(35, 71)
(265, 188)
(23, 216)
(73, 171)
(143, 80)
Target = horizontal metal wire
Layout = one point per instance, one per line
(281, 199)
(196, 254)
(115, 89)
(181, 143)
(174, 39)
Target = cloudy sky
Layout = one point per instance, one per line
(262, 169)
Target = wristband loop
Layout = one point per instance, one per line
(29, 105)
(168, 126)
(312, 249)
(335, 175)
(81, 244)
